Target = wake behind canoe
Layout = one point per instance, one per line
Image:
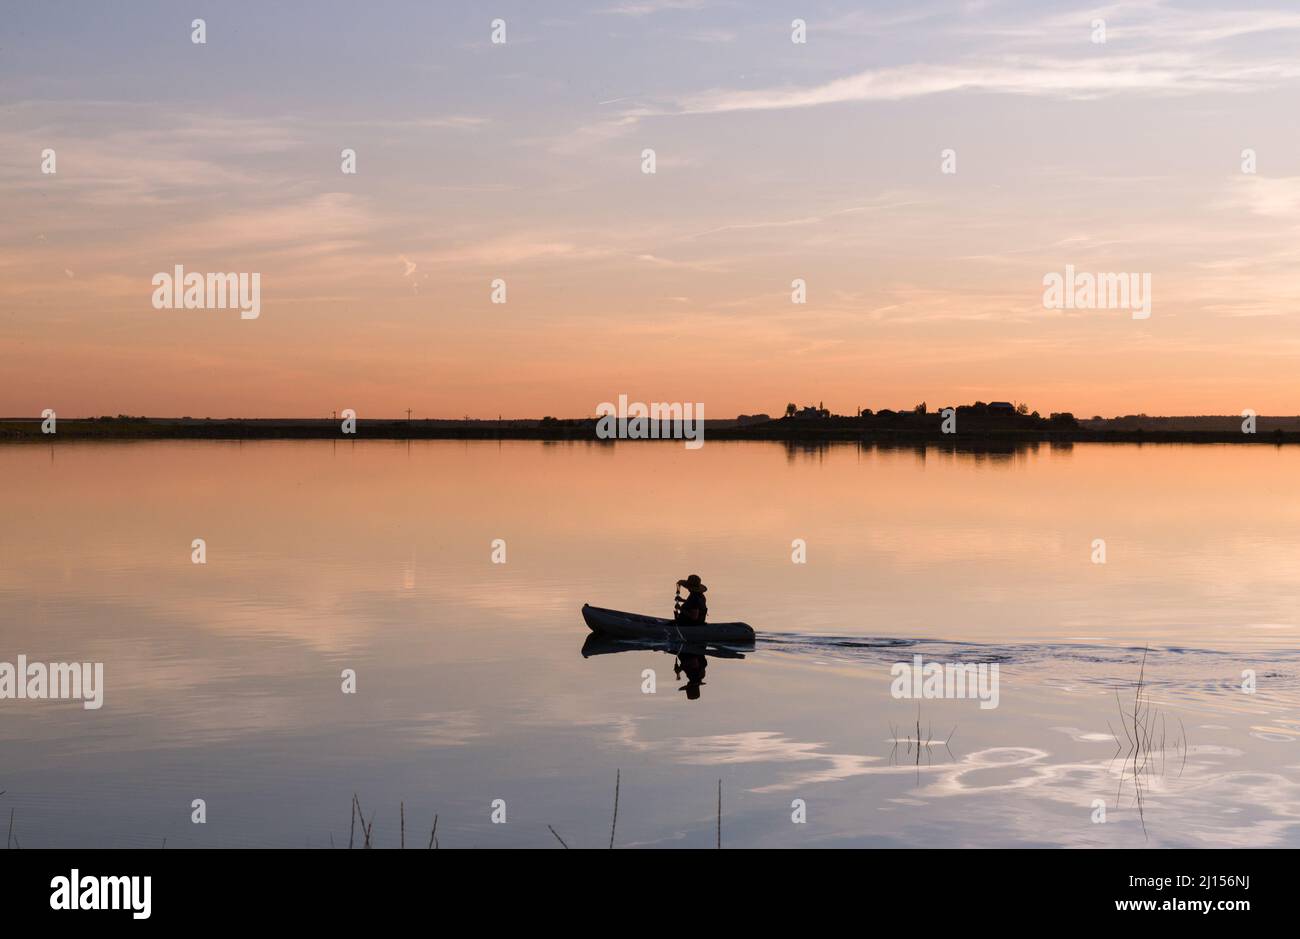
(620, 625)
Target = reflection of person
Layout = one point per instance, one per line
(694, 665)
(693, 609)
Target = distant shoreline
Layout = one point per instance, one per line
(903, 429)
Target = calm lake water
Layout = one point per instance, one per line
(223, 679)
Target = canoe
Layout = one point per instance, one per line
(620, 625)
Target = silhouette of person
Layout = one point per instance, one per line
(694, 609)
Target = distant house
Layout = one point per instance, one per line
(811, 413)
(1001, 407)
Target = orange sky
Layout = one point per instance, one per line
(775, 161)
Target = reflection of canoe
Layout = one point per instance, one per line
(597, 644)
(619, 625)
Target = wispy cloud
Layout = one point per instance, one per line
(886, 203)
(712, 35)
(1275, 197)
(1151, 24)
(638, 8)
(517, 249)
(1091, 78)
(1152, 48)
(450, 122)
(132, 156)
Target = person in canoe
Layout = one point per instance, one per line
(693, 610)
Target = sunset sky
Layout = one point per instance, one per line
(522, 161)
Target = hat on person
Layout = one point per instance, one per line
(693, 584)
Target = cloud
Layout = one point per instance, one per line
(1152, 23)
(593, 134)
(1151, 48)
(329, 220)
(1090, 78)
(1274, 197)
(120, 155)
(638, 8)
(448, 122)
(886, 203)
(712, 36)
(516, 249)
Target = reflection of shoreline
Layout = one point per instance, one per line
(906, 431)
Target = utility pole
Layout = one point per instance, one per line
(408, 415)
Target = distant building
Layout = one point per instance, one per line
(1001, 407)
(753, 418)
(811, 413)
